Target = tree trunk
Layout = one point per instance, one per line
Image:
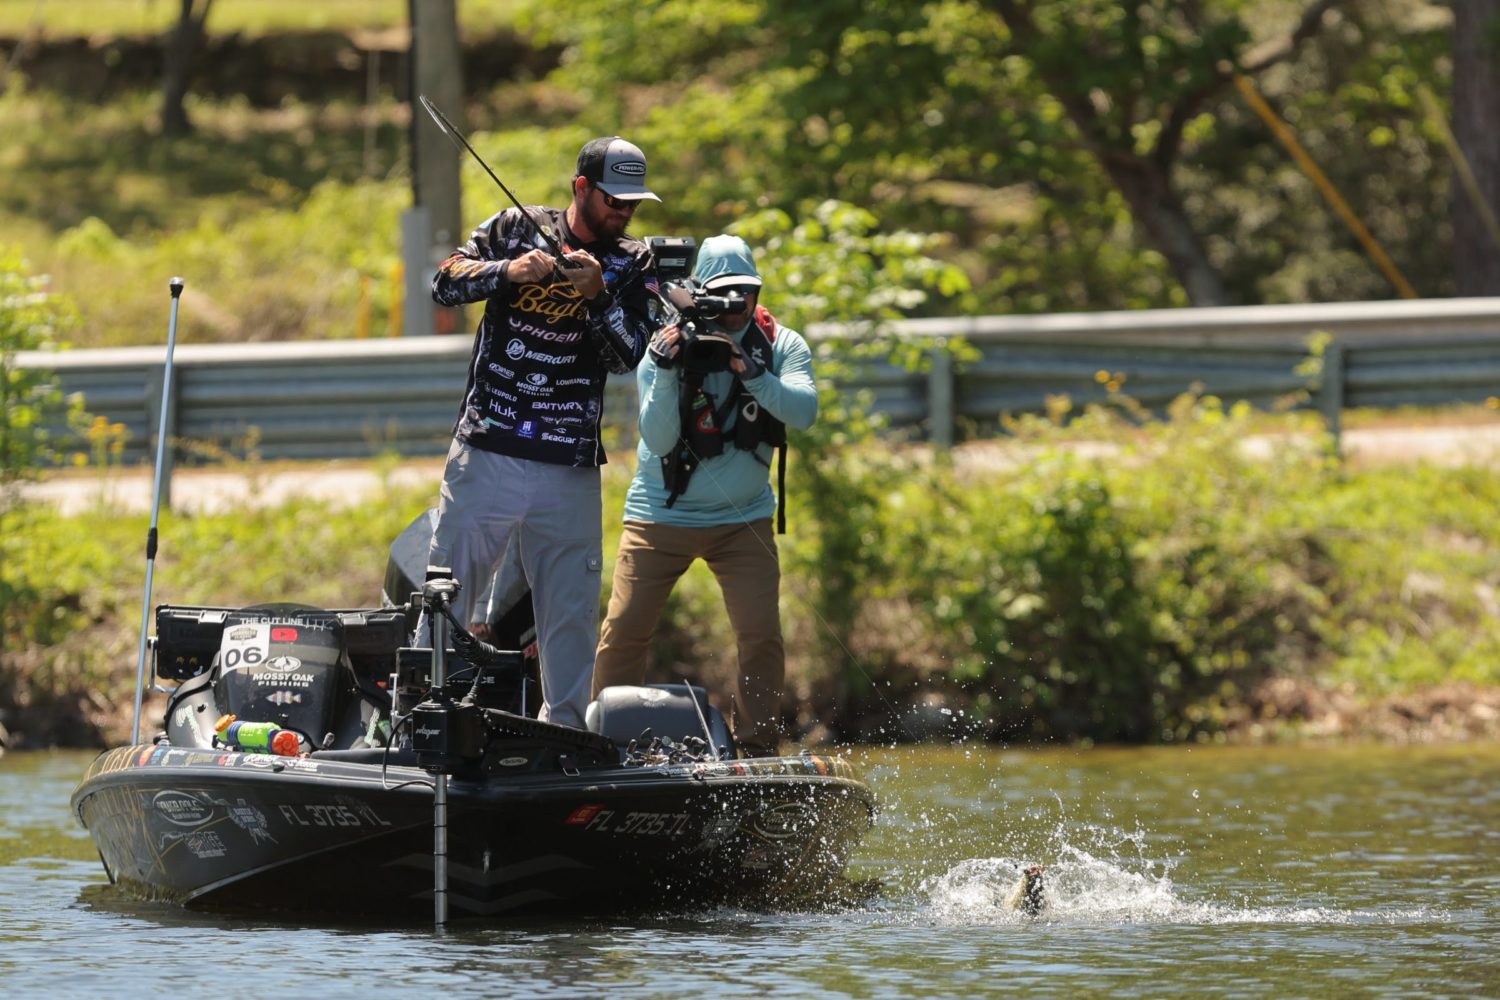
(439, 75)
(1476, 126)
(178, 66)
(1147, 189)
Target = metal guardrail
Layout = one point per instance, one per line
(353, 398)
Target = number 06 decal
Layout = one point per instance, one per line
(245, 646)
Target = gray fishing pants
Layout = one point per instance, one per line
(556, 512)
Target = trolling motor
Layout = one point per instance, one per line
(446, 734)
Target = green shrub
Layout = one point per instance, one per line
(30, 320)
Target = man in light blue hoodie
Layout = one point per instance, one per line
(702, 491)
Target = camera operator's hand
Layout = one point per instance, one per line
(532, 266)
(665, 346)
(586, 274)
(744, 365)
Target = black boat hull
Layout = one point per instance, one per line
(239, 830)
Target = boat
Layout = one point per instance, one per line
(383, 762)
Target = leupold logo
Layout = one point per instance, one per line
(514, 350)
(634, 168)
(283, 664)
(181, 809)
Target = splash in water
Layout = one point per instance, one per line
(1095, 874)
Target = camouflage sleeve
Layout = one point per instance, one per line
(476, 271)
(620, 320)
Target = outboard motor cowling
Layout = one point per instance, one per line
(290, 672)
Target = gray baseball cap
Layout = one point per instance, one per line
(616, 167)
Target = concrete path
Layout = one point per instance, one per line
(347, 482)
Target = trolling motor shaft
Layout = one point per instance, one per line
(445, 733)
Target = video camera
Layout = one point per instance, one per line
(689, 304)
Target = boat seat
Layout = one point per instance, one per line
(623, 712)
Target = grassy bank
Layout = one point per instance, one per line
(1161, 585)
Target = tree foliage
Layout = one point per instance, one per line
(1082, 153)
(29, 321)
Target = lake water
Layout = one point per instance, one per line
(1255, 872)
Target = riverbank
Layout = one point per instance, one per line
(1166, 584)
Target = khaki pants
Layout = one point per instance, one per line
(743, 558)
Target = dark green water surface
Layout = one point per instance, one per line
(1248, 872)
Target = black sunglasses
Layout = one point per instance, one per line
(618, 204)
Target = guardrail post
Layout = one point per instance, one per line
(154, 404)
(940, 396)
(1331, 393)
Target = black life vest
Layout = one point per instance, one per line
(702, 423)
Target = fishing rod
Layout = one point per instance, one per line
(161, 441)
(452, 132)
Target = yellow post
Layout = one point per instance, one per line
(362, 312)
(398, 301)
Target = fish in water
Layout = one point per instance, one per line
(1028, 896)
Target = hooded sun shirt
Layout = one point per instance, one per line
(734, 486)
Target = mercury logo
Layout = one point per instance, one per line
(515, 350)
